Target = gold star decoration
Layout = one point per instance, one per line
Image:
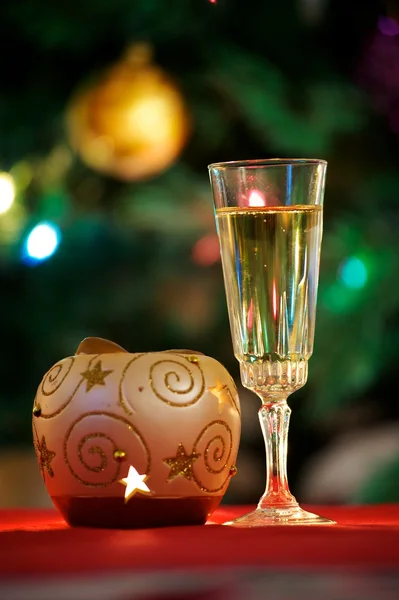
(182, 463)
(134, 482)
(95, 376)
(223, 395)
(46, 456)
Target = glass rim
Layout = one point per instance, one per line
(266, 162)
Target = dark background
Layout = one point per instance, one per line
(138, 260)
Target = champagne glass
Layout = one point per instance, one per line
(269, 218)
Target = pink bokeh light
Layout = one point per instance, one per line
(250, 315)
(388, 26)
(379, 70)
(206, 251)
(274, 299)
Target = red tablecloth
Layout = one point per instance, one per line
(38, 542)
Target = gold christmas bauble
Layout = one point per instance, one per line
(136, 440)
(131, 124)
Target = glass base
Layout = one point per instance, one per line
(265, 517)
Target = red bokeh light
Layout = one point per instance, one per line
(206, 251)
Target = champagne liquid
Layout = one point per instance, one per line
(270, 260)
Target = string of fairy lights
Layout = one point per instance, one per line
(44, 237)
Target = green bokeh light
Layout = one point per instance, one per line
(353, 273)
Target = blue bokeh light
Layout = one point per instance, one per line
(41, 243)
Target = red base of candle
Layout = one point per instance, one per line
(138, 512)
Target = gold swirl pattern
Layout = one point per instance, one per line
(218, 454)
(127, 407)
(94, 450)
(50, 379)
(103, 464)
(50, 376)
(177, 378)
(35, 435)
(36, 446)
(215, 450)
(233, 401)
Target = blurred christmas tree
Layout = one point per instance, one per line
(110, 112)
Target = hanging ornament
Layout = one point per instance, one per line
(132, 123)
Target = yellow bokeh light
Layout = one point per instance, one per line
(7, 192)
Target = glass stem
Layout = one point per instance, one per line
(274, 417)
